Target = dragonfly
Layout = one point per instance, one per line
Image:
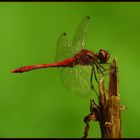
(77, 64)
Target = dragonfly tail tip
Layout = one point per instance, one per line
(12, 71)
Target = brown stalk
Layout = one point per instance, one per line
(108, 111)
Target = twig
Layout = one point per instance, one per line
(110, 109)
(94, 116)
(108, 112)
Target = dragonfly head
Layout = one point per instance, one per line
(103, 56)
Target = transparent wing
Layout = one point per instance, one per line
(77, 79)
(63, 49)
(80, 37)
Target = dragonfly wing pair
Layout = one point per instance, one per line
(76, 79)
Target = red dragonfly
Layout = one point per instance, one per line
(77, 63)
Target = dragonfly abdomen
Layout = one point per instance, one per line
(70, 62)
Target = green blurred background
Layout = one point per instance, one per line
(36, 104)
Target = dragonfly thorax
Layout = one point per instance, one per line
(86, 57)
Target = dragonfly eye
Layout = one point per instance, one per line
(103, 56)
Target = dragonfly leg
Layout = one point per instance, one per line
(92, 86)
(95, 74)
(102, 67)
(108, 71)
(92, 102)
(105, 68)
(98, 68)
(91, 78)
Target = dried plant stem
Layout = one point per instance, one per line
(110, 111)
